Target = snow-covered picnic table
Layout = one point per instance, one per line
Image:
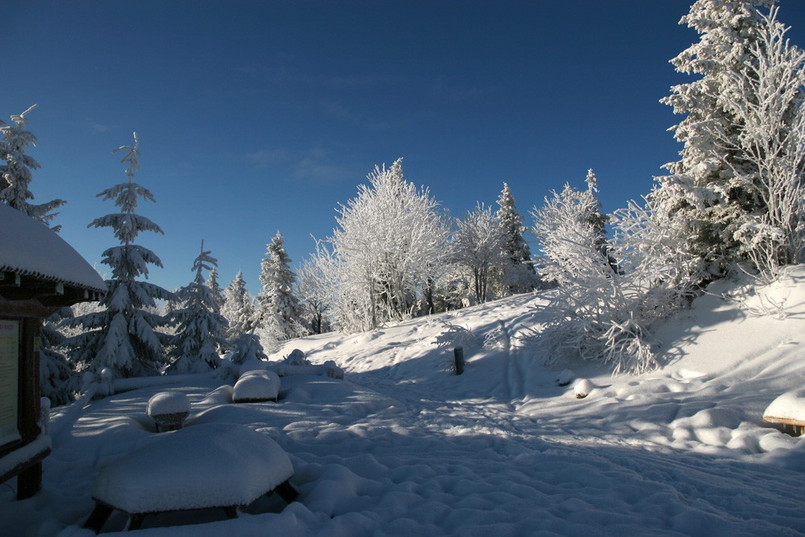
(218, 465)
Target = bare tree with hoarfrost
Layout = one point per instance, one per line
(388, 241)
(200, 328)
(597, 307)
(122, 336)
(313, 289)
(478, 245)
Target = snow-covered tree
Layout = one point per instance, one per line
(478, 244)
(58, 379)
(388, 241)
(519, 275)
(765, 101)
(278, 307)
(238, 308)
(15, 174)
(122, 336)
(200, 328)
(313, 289)
(711, 190)
(599, 312)
(215, 287)
(566, 225)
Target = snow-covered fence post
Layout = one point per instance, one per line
(458, 353)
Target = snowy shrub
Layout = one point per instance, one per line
(247, 349)
(478, 244)
(296, 357)
(457, 336)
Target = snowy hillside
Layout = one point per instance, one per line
(402, 446)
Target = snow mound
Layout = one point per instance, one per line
(583, 388)
(211, 465)
(171, 402)
(256, 385)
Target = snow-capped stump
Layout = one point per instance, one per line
(564, 378)
(216, 465)
(788, 410)
(168, 410)
(582, 388)
(256, 386)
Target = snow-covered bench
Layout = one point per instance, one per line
(256, 386)
(788, 410)
(217, 465)
(168, 410)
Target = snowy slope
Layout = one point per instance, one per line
(402, 446)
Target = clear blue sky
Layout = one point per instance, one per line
(255, 117)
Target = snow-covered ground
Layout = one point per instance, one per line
(402, 446)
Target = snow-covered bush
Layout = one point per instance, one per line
(478, 244)
(247, 349)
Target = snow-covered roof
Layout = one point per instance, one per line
(29, 248)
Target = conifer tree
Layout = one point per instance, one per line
(238, 308)
(215, 287)
(123, 335)
(15, 174)
(711, 190)
(519, 275)
(200, 328)
(57, 377)
(277, 306)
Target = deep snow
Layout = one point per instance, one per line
(402, 446)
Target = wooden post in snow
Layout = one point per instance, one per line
(459, 357)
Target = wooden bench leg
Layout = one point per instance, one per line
(98, 517)
(286, 491)
(231, 511)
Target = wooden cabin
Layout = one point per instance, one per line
(39, 273)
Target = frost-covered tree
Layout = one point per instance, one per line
(313, 289)
(710, 192)
(238, 308)
(599, 312)
(123, 336)
(566, 225)
(519, 275)
(478, 244)
(215, 287)
(200, 328)
(388, 241)
(278, 307)
(765, 101)
(15, 174)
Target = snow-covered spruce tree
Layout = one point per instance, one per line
(478, 245)
(765, 101)
(278, 310)
(15, 174)
(709, 193)
(215, 287)
(519, 275)
(122, 336)
(238, 308)
(57, 377)
(200, 328)
(596, 307)
(389, 239)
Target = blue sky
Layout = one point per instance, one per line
(258, 117)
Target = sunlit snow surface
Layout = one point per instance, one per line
(403, 446)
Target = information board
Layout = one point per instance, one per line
(9, 380)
